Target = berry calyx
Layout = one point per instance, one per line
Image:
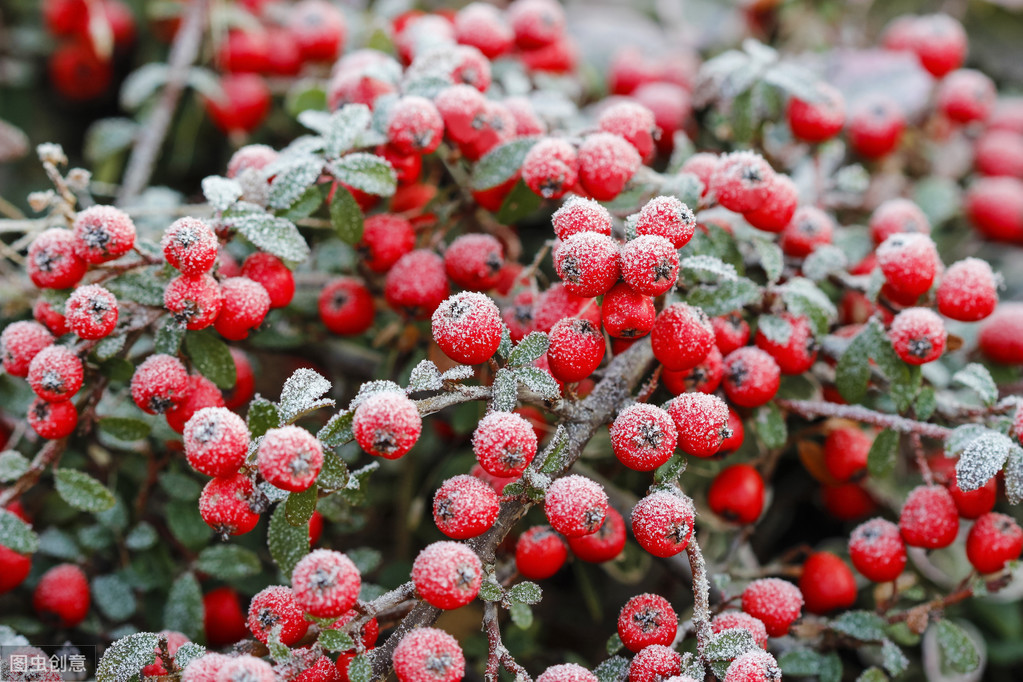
(290, 458)
(91, 312)
(56, 373)
(346, 306)
(918, 336)
(225, 505)
(751, 377)
(103, 233)
(742, 181)
(447, 574)
(52, 420)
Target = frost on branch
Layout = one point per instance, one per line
(301, 394)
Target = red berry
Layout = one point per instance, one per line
(324, 670)
(604, 545)
(701, 421)
(827, 583)
(994, 206)
(540, 553)
(77, 72)
(576, 349)
(536, 23)
(103, 233)
(416, 284)
(819, 119)
(325, 583)
(428, 655)
(497, 483)
(52, 420)
(730, 332)
(627, 314)
(55, 373)
(276, 606)
(581, 215)
(467, 327)
(190, 246)
(910, 262)
(193, 301)
(244, 52)
(557, 303)
(940, 43)
(681, 337)
(244, 667)
(290, 458)
(845, 453)
(751, 377)
(53, 261)
(49, 317)
(655, 662)
(671, 106)
(551, 168)
(464, 507)
(273, 275)
(1001, 335)
(876, 126)
(966, 95)
(666, 216)
(504, 444)
(254, 157)
(994, 540)
(518, 316)
(929, 518)
(225, 505)
(216, 441)
(474, 261)
(496, 126)
(244, 104)
(575, 506)
(776, 603)
(663, 523)
(918, 336)
(847, 501)
(62, 595)
(647, 619)
(484, 27)
(65, 17)
(649, 264)
(974, 503)
(447, 574)
(387, 424)
(775, 214)
(91, 312)
(319, 29)
(733, 442)
(634, 122)
(643, 437)
(201, 393)
(20, 343)
(14, 568)
(754, 666)
(702, 165)
(223, 618)
(896, 216)
(705, 377)
(968, 291)
(566, 672)
(415, 126)
(606, 163)
(797, 353)
(742, 181)
(385, 239)
(809, 228)
(737, 494)
(588, 263)
(999, 152)
(159, 384)
(876, 550)
(246, 304)
(737, 620)
(463, 108)
(346, 306)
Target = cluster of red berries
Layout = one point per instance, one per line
(91, 35)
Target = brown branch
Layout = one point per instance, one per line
(701, 599)
(49, 454)
(819, 408)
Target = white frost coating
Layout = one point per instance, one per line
(370, 388)
(220, 192)
(706, 266)
(458, 373)
(981, 460)
(301, 393)
(425, 377)
(273, 235)
(291, 182)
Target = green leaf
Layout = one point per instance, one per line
(614, 644)
(301, 394)
(521, 614)
(113, 596)
(500, 164)
(17, 535)
(977, 377)
(293, 180)
(872, 674)
(725, 297)
(12, 466)
(125, 658)
(287, 543)
(775, 329)
(263, 415)
(169, 336)
(145, 286)
(143, 536)
(926, 403)
(853, 371)
(305, 205)
(552, 453)
(299, 507)
(505, 390)
(186, 653)
(823, 262)
(334, 474)
(770, 425)
(273, 234)
(346, 216)
(803, 297)
(336, 640)
(881, 458)
(520, 203)
(107, 137)
(614, 669)
(528, 349)
(143, 83)
(221, 192)
(729, 644)
(184, 611)
(671, 470)
(186, 524)
(425, 377)
(982, 459)
(706, 268)
(212, 357)
(228, 562)
(344, 128)
(892, 658)
(771, 259)
(82, 491)
(124, 428)
(539, 381)
(366, 559)
(865, 626)
(360, 669)
(800, 662)
(365, 172)
(526, 592)
(490, 591)
(109, 347)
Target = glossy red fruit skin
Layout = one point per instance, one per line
(52, 421)
(387, 424)
(53, 261)
(415, 126)
(827, 583)
(576, 349)
(103, 233)
(929, 518)
(845, 453)
(877, 551)
(662, 523)
(733, 442)
(244, 105)
(201, 393)
(78, 73)
(627, 314)
(705, 377)
(730, 332)
(751, 377)
(876, 127)
(681, 337)
(269, 271)
(847, 501)
(809, 228)
(647, 619)
(819, 120)
(223, 617)
(193, 301)
(504, 444)
(62, 594)
(540, 553)
(798, 353)
(428, 655)
(777, 603)
(447, 574)
(20, 342)
(737, 494)
(346, 306)
(91, 312)
(246, 304)
(976, 503)
(14, 568)
(993, 540)
(1001, 335)
(604, 545)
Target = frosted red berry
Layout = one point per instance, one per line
(666, 216)
(737, 620)
(244, 104)
(681, 337)
(416, 284)
(995, 207)
(775, 214)
(753, 666)
(940, 43)
(974, 503)
(467, 327)
(56, 373)
(566, 672)
(737, 494)
(634, 122)
(290, 458)
(485, 28)
(627, 314)
(387, 424)
(876, 126)
(540, 553)
(190, 246)
(702, 165)
(701, 421)
(575, 505)
(643, 437)
(845, 453)
(474, 261)
(918, 335)
(606, 163)
(464, 507)
(254, 157)
(649, 264)
(243, 667)
(705, 377)
(751, 377)
(581, 215)
(965, 96)
(415, 126)
(447, 574)
(557, 303)
(91, 312)
(62, 595)
(730, 332)
(993, 540)
(463, 109)
(276, 606)
(576, 349)
(14, 568)
(734, 441)
(876, 550)
(647, 619)
(910, 262)
(999, 152)
(225, 505)
(245, 305)
(223, 618)
(20, 342)
(216, 441)
(159, 384)
(1001, 335)
(742, 181)
(49, 317)
(662, 523)
(346, 306)
(201, 393)
(52, 420)
(929, 518)
(193, 301)
(968, 291)
(797, 353)
(504, 444)
(587, 263)
(428, 655)
(809, 228)
(896, 216)
(551, 168)
(847, 501)
(385, 239)
(605, 544)
(655, 662)
(103, 233)
(275, 277)
(536, 23)
(827, 583)
(53, 260)
(775, 602)
(671, 106)
(819, 119)
(325, 583)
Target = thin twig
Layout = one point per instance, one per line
(701, 599)
(820, 408)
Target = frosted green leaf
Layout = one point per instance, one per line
(17, 535)
(186, 524)
(107, 137)
(982, 459)
(113, 596)
(366, 559)
(771, 258)
(317, 121)
(803, 297)
(334, 474)
(211, 357)
(538, 381)
(872, 675)
(521, 614)
(82, 491)
(457, 373)
(425, 377)
(263, 415)
(346, 216)
(800, 662)
(730, 644)
(505, 347)
(188, 652)
(500, 164)
(142, 83)
(221, 192)
(770, 426)
(371, 388)
(526, 592)
(669, 472)
(490, 591)
(505, 391)
(940, 198)
(704, 268)
(614, 669)
(865, 626)
(365, 172)
(344, 128)
(287, 543)
(205, 82)
(227, 562)
(301, 394)
(426, 86)
(360, 669)
(776, 329)
(793, 80)
(125, 658)
(292, 181)
(169, 336)
(881, 457)
(58, 544)
(962, 436)
(109, 347)
(184, 611)
(1014, 476)
(12, 466)
(145, 286)
(892, 658)
(614, 644)
(273, 235)
(725, 297)
(124, 428)
(299, 507)
(977, 377)
(336, 640)
(685, 187)
(338, 430)
(520, 203)
(528, 349)
(305, 205)
(926, 403)
(825, 260)
(958, 652)
(142, 536)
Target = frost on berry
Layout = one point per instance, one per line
(250, 157)
(896, 216)
(540, 553)
(274, 276)
(604, 545)
(56, 373)
(741, 181)
(968, 291)
(929, 518)
(754, 666)
(245, 305)
(428, 655)
(627, 314)
(276, 606)
(504, 444)
(20, 342)
(245, 668)
(416, 284)
(551, 168)
(647, 619)
(474, 261)
(63, 593)
(447, 574)
(484, 27)
(536, 23)
(575, 505)
(566, 672)
(606, 163)
(346, 306)
(207, 667)
(655, 662)
(732, 620)
(705, 377)
(818, 119)
(643, 437)
(49, 317)
(91, 312)
(52, 420)
(649, 264)
(201, 392)
(918, 335)
(775, 602)
(576, 349)
(193, 301)
(216, 441)
(225, 505)
(663, 523)
(751, 377)
(795, 353)
(415, 126)
(909, 262)
(809, 228)
(325, 583)
(581, 215)
(775, 214)
(1001, 334)
(557, 303)
(667, 217)
(385, 239)
(53, 260)
(290, 458)
(465, 506)
(190, 246)
(701, 421)
(467, 327)
(993, 540)
(587, 263)
(387, 424)
(103, 233)
(876, 126)
(876, 550)
(463, 109)
(681, 337)
(634, 122)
